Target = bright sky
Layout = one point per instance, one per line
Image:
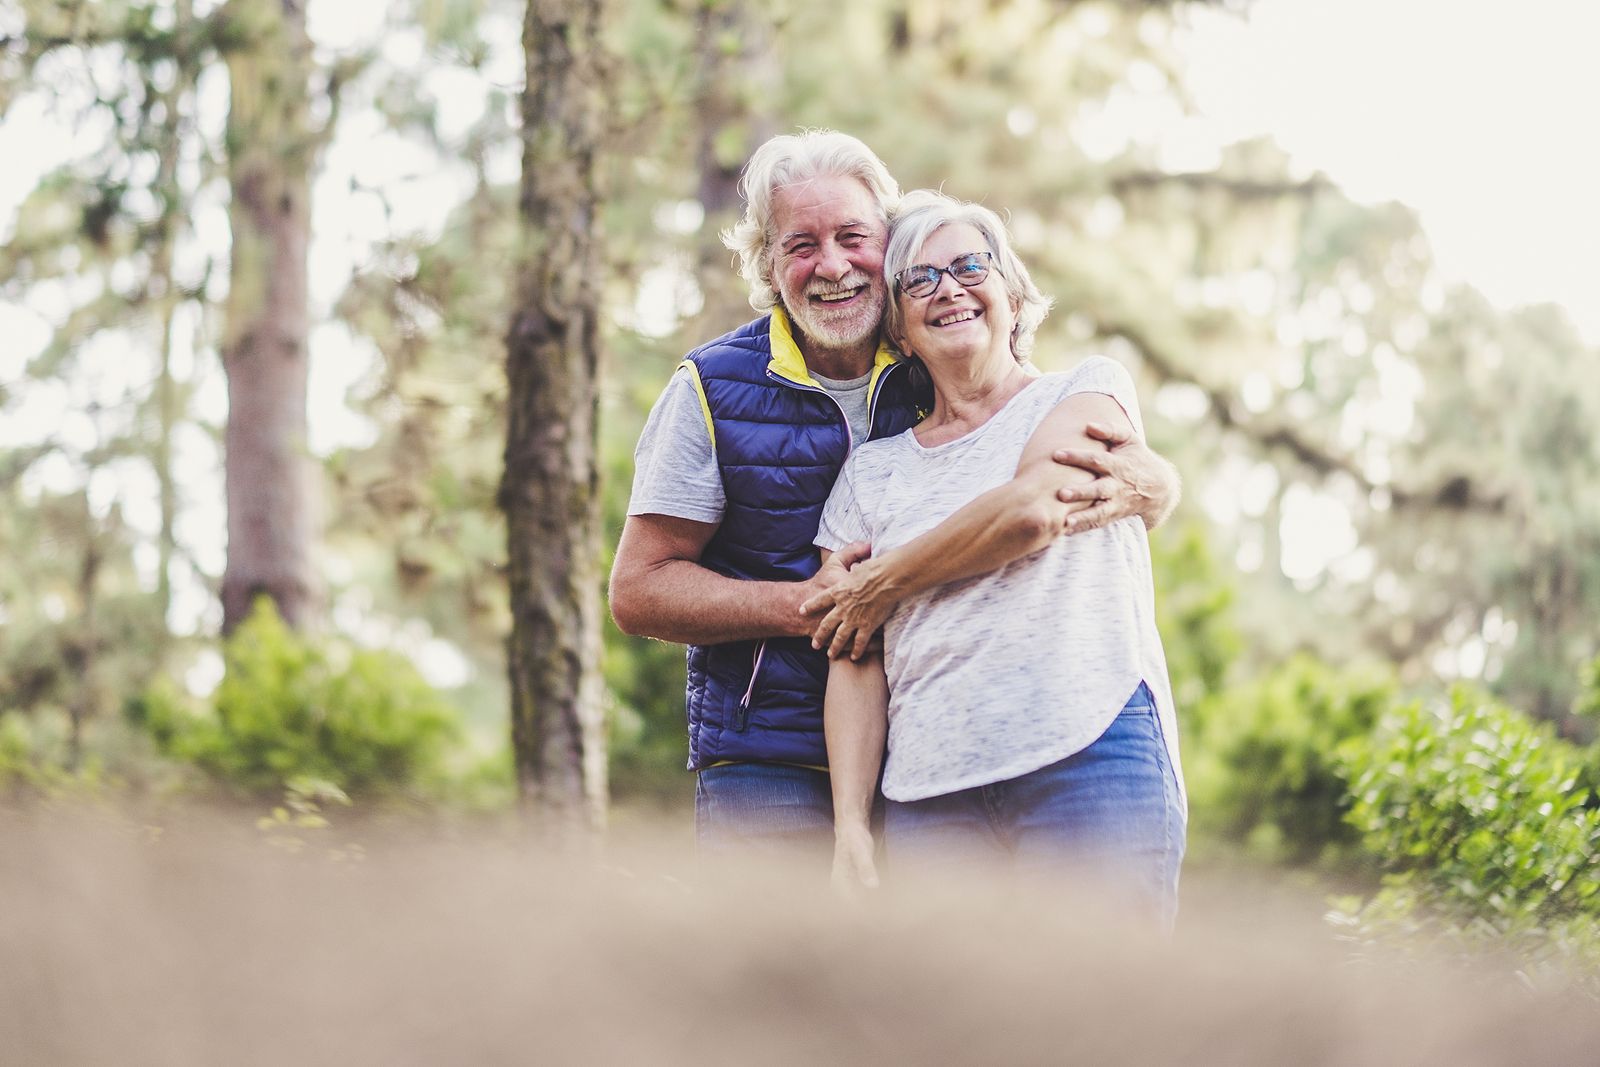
(1480, 114)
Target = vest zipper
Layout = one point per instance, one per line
(849, 434)
(742, 718)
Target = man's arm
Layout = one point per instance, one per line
(1006, 523)
(659, 589)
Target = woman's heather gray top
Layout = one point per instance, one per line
(996, 676)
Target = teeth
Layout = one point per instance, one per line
(834, 298)
(960, 316)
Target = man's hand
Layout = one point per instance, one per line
(1130, 479)
(835, 569)
(851, 609)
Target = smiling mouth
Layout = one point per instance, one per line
(964, 315)
(833, 299)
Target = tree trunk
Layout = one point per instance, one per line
(86, 700)
(164, 286)
(270, 151)
(550, 488)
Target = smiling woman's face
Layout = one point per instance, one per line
(955, 321)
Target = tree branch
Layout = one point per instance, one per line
(1452, 492)
(1240, 188)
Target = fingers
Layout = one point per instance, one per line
(858, 648)
(1091, 518)
(843, 641)
(854, 553)
(1094, 462)
(816, 603)
(1095, 491)
(1113, 437)
(827, 626)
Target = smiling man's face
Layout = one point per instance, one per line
(828, 261)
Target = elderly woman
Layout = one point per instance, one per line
(1029, 718)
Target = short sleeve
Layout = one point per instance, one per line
(842, 518)
(1098, 374)
(675, 470)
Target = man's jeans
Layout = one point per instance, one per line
(1109, 814)
(755, 810)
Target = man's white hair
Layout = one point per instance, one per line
(786, 160)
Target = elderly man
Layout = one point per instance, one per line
(735, 463)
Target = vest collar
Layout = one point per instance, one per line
(787, 362)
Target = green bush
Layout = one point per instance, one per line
(292, 708)
(1262, 770)
(1482, 805)
(33, 753)
(1488, 839)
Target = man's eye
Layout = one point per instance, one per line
(853, 239)
(799, 250)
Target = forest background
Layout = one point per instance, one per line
(1377, 598)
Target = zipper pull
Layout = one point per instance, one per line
(741, 718)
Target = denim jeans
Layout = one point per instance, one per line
(750, 810)
(1109, 815)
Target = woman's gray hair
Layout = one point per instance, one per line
(786, 160)
(922, 213)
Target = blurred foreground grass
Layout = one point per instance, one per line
(204, 941)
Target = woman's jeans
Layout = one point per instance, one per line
(1109, 814)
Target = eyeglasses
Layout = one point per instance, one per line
(968, 269)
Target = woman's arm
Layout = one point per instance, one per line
(1002, 525)
(855, 722)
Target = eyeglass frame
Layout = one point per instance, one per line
(950, 270)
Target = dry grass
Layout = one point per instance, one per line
(202, 944)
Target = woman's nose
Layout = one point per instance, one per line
(946, 286)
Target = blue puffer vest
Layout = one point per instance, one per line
(780, 440)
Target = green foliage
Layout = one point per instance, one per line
(1262, 764)
(33, 754)
(291, 708)
(1588, 702)
(1194, 612)
(1477, 814)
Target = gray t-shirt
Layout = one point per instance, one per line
(675, 469)
(996, 676)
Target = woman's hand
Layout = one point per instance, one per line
(854, 865)
(853, 609)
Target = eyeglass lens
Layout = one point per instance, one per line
(968, 270)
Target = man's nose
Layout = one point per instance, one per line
(833, 264)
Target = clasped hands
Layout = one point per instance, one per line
(856, 593)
